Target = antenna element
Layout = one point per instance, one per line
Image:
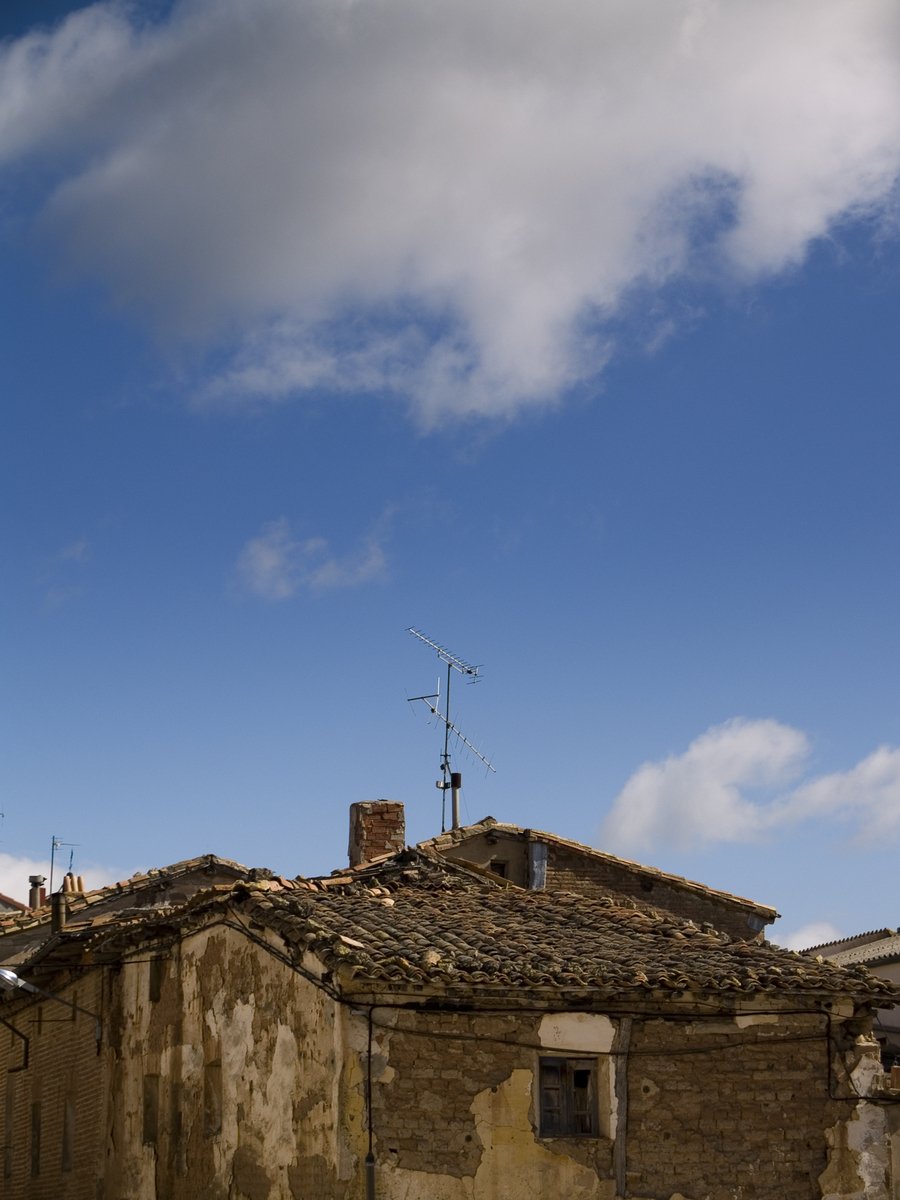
(451, 780)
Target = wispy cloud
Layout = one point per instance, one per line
(62, 575)
(451, 203)
(867, 796)
(274, 565)
(816, 933)
(77, 552)
(743, 780)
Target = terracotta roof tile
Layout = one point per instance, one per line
(442, 931)
(416, 922)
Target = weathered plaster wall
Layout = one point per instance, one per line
(892, 1119)
(454, 1109)
(727, 1109)
(483, 848)
(229, 1076)
(859, 1146)
(226, 1085)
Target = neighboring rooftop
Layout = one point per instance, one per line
(871, 949)
(167, 886)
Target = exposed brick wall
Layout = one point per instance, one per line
(377, 827)
(569, 871)
(718, 1112)
(714, 1110)
(423, 1115)
(64, 1071)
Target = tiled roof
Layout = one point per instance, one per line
(839, 945)
(883, 950)
(141, 881)
(454, 837)
(414, 923)
(21, 931)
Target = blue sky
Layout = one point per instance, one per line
(569, 339)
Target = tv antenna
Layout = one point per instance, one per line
(450, 780)
(55, 844)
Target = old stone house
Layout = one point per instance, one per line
(418, 1029)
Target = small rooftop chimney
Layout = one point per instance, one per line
(37, 893)
(59, 911)
(377, 827)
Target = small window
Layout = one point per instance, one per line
(568, 1097)
(498, 866)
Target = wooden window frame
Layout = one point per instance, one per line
(568, 1097)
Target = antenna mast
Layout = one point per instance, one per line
(451, 780)
(55, 844)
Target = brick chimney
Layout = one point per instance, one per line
(377, 827)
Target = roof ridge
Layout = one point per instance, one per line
(464, 833)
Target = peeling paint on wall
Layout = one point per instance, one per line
(272, 1036)
(512, 1164)
(566, 1032)
(859, 1148)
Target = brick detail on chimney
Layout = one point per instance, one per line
(377, 827)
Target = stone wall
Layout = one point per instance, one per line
(724, 1109)
(717, 1112)
(454, 1114)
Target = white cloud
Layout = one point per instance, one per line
(868, 795)
(698, 797)
(15, 870)
(816, 933)
(267, 563)
(447, 203)
(276, 566)
(76, 552)
(62, 576)
(701, 797)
